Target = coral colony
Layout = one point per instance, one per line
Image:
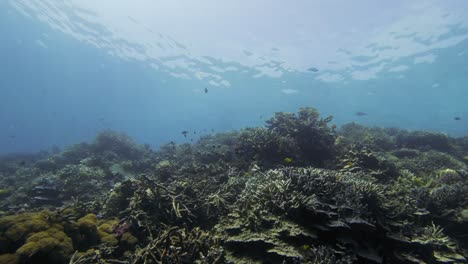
(298, 190)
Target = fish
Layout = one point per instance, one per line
(313, 69)
(206, 90)
(288, 160)
(185, 132)
(457, 118)
(360, 113)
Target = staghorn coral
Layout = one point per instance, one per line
(267, 146)
(424, 141)
(312, 135)
(176, 245)
(373, 138)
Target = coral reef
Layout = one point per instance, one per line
(295, 191)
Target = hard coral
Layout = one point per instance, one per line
(312, 134)
(9, 259)
(424, 141)
(118, 143)
(18, 227)
(50, 246)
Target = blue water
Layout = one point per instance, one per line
(56, 90)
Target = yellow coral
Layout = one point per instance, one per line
(107, 225)
(129, 238)
(106, 233)
(108, 238)
(88, 223)
(89, 220)
(53, 242)
(19, 227)
(8, 259)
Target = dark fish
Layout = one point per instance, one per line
(360, 114)
(22, 163)
(313, 69)
(457, 118)
(185, 132)
(206, 90)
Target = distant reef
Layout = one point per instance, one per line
(298, 190)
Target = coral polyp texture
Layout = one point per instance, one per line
(298, 190)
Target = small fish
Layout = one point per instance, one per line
(313, 69)
(185, 132)
(22, 163)
(206, 90)
(457, 118)
(288, 160)
(360, 114)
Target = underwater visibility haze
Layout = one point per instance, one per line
(233, 131)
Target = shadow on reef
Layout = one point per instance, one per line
(295, 191)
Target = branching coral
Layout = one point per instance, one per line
(176, 245)
(310, 133)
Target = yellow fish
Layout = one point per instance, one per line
(305, 247)
(288, 160)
